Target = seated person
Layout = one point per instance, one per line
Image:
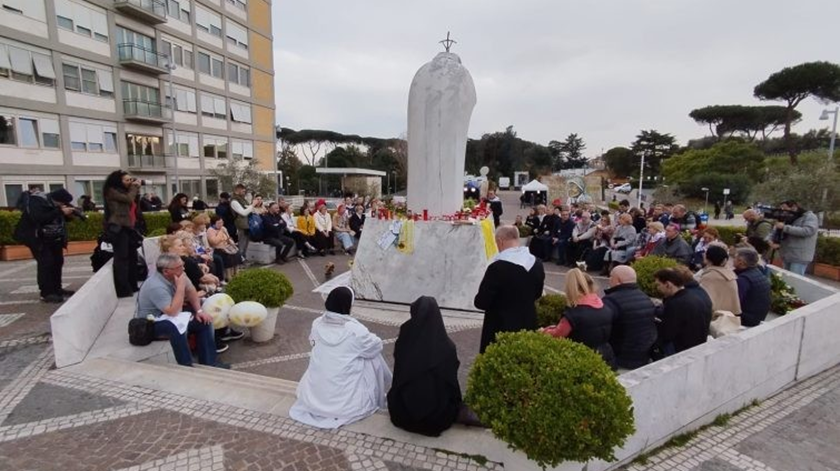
(634, 326)
(357, 222)
(753, 287)
(222, 243)
(425, 396)
(347, 377)
(341, 227)
(719, 280)
(622, 243)
(197, 269)
(674, 246)
(685, 314)
(709, 236)
(656, 234)
(587, 320)
(582, 238)
(303, 247)
(274, 233)
(163, 295)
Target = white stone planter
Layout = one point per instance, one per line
(518, 461)
(265, 331)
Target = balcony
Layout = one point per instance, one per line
(146, 162)
(149, 11)
(146, 112)
(142, 59)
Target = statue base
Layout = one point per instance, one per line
(448, 263)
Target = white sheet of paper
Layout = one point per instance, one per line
(386, 240)
(181, 321)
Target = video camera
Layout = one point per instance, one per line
(77, 213)
(777, 214)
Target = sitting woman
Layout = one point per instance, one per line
(709, 236)
(621, 243)
(341, 226)
(303, 246)
(533, 220)
(425, 397)
(587, 320)
(720, 281)
(178, 210)
(656, 234)
(202, 245)
(222, 243)
(306, 226)
(601, 245)
(324, 240)
(195, 267)
(347, 377)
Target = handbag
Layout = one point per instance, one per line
(230, 249)
(724, 323)
(141, 331)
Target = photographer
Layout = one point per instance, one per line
(120, 196)
(43, 230)
(796, 237)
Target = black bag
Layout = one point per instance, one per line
(141, 332)
(51, 233)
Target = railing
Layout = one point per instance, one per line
(145, 109)
(129, 52)
(156, 7)
(146, 161)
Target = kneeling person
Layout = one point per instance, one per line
(163, 296)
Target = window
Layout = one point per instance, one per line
(93, 136)
(240, 112)
(13, 192)
(218, 68)
(135, 92)
(88, 80)
(8, 135)
(242, 149)
(178, 9)
(237, 36)
(187, 143)
(204, 63)
(137, 144)
(239, 74)
(28, 132)
(25, 65)
(212, 186)
(215, 147)
(241, 4)
(82, 19)
(49, 133)
(180, 54)
(136, 46)
(213, 106)
(184, 99)
(28, 8)
(211, 65)
(207, 21)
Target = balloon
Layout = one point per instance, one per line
(218, 307)
(247, 314)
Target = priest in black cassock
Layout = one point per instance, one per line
(511, 285)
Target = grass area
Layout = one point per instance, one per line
(678, 441)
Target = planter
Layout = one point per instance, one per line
(265, 331)
(824, 270)
(9, 253)
(82, 247)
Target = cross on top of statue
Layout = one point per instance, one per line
(447, 43)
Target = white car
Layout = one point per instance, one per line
(625, 188)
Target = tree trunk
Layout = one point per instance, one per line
(794, 160)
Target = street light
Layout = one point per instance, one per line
(170, 66)
(705, 206)
(641, 177)
(824, 117)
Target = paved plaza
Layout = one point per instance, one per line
(63, 419)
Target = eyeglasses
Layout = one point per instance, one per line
(176, 267)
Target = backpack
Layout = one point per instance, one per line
(255, 226)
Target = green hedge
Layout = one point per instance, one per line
(646, 268)
(828, 250)
(155, 221)
(8, 222)
(267, 287)
(550, 309)
(727, 233)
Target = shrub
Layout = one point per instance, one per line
(739, 186)
(155, 221)
(550, 309)
(8, 222)
(783, 298)
(553, 399)
(828, 251)
(525, 231)
(613, 205)
(265, 286)
(157, 233)
(88, 229)
(645, 269)
(727, 233)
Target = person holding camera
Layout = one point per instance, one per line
(120, 195)
(42, 228)
(796, 238)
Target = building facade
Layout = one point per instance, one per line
(85, 89)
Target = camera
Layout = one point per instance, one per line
(77, 213)
(777, 214)
(139, 180)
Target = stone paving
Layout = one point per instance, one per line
(54, 419)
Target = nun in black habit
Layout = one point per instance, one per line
(425, 397)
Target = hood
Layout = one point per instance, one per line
(518, 256)
(333, 328)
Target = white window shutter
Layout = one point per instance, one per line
(43, 65)
(94, 134)
(106, 80)
(206, 103)
(81, 15)
(21, 61)
(78, 132)
(100, 23)
(49, 126)
(248, 149)
(219, 105)
(191, 102)
(5, 63)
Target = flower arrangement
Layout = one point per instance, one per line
(783, 298)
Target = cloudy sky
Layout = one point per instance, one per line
(603, 69)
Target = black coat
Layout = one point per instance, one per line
(754, 294)
(224, 211)
(563, 229)
(356, 223)
(685, 318)
(425, 395)
(507, 295)
(592, 327)
(634, 327)
(37, 211)
(273, 226)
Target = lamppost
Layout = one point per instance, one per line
(824, 117)
(170, 66)
(641, 177)
(278, 183)
(706, 205)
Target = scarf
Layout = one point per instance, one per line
(517, 256)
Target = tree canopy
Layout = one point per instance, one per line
(726, 120)
(569, 153)
(621, 161)
(792, 85)
(656, 147)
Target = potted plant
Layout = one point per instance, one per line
(550, 308)
(552, 399)
(645, 269)
(267, 287)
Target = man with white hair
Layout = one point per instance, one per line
(634, 328)
(511, 285)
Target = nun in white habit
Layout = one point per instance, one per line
(347, 378)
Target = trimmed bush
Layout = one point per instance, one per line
(525, 231)
(158, 220)
(613, 205)
(265, 286)
(88, 229)
(727, 233)
(645, 269)
(157, 233)
(553, 399)
(828, 251)
(550, 309)
(8, 222)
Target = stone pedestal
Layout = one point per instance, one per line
(448, 263)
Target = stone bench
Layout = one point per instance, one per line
(264, 254)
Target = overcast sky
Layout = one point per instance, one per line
(603, 69)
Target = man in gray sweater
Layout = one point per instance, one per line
(797, 240)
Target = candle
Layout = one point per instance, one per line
(425, 214)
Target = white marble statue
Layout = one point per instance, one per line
(440, 104)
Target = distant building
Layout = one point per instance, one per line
(85, 90)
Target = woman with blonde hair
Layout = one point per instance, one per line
(621, 243)
(223, 244)
(656, 234)
(587, 319)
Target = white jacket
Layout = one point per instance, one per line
(323, 222)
